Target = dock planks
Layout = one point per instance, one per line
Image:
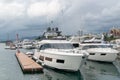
(27, 64)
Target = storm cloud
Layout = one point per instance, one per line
(32, 17)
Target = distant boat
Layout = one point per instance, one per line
(76, 40)
(86, 39)
(10, 45)
(27, 44)
(116, 44)
(59, 54)
(7, 47)
(100, 52)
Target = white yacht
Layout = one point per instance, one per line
(7, 47)
(76, 40)
(10, 46)
(7, 44)
(18, 44)
(59, 54)
(27, 44)
(93, 40)
(100, 52)
(116, 44)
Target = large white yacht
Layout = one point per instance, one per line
(59, 54)
(100, 52)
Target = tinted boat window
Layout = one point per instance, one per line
(41, 58)
(45, 46)
(96, 46)
(92, 53)
(61, 46)
(48, 59)
(89, 46)
(76, 45)
(103, 54)
(60, 61)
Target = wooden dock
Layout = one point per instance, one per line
(27, 64)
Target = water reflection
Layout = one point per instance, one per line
(50, 74)
(99, 71)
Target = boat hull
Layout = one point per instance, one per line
(64, 62)
(109, 57)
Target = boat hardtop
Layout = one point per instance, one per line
(56, 44)
(92, 45)
(61, 47)
(64, 52)
(103, 50)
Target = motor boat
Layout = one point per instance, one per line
(116, 44)
(13, 47)
(10, 46)
(59, 54)
(76, 40)
(100, 52)
(7, 47)
(27, 44)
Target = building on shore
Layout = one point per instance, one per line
(115, 32)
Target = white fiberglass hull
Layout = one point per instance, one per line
(64, 62)
(70, 62)
(105, 56)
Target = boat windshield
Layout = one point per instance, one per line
(57, 46)
(62, 46)
(96, 46)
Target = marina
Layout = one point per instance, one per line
(59, 40)
(57, 57)
(90, 71)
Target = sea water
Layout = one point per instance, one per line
(11, 70)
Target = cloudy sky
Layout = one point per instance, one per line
(32, 17)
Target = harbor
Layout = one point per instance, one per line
(59, 40)
(49, 57)
(11, 70)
